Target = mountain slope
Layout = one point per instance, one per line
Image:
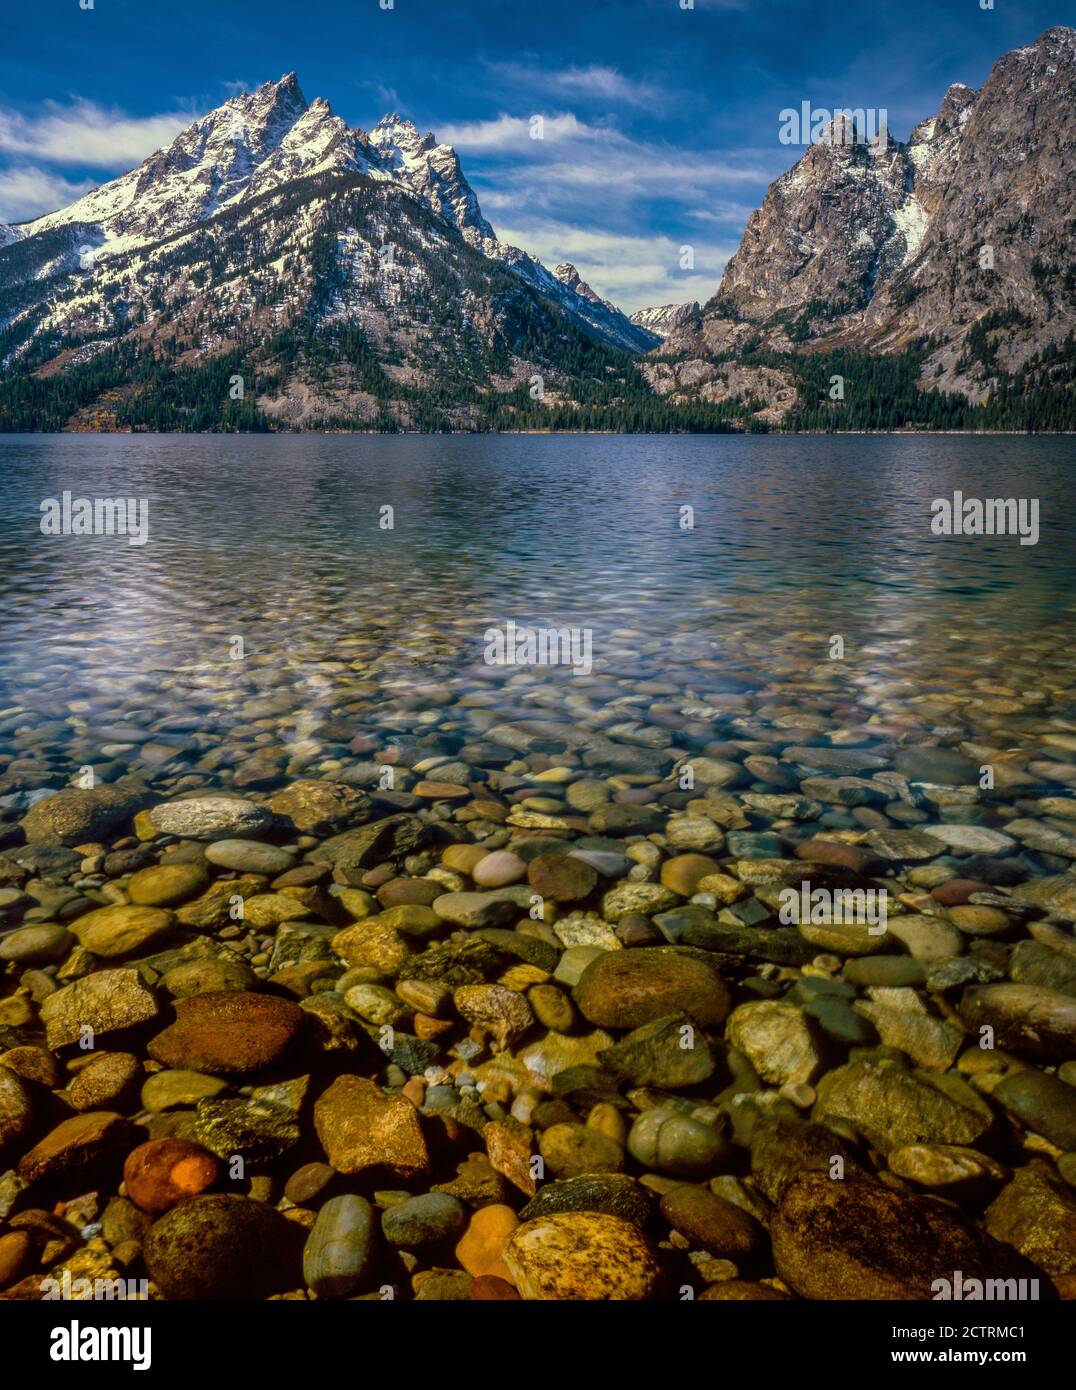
(96, 269)
(879, 246)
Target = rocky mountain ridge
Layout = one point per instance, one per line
(959, 239)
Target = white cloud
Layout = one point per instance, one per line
(84, 133)
(633, 271)
(592, 83)
(513, 133)
(570, 151)
(540, 193)
(26, 192)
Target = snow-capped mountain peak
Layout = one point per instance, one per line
(258, 141)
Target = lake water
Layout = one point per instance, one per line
(278, 541)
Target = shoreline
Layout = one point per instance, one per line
(626, 434)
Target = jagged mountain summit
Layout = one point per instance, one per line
(962, 234)
(208, 243)
(260, 140)
(664, 319)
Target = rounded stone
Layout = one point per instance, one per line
(1026, 1019)
(625, 989)
(40, 944)
(412, 919)
(78, 1145)
(440, 791)
(843, 938)
(943, 766)
(16, 1110)
(463, 858)
(720, 1227)
(955, 892)
(613, 1193)
(582, 1255)
(375, 1004)
(250, 857)
(308, 1183)
(480, 1249)
(498, 870)
(684, 872)
(223, 1246)
(560, 878)
(208, 976)
(122, 930)
(209, 818)
(835, 854)
(474, 910)
(670, 1141)
(948, 1169)
(107, 1001)
(976, 920)
(341, 1248)
(169, 1090)
(162, 1172)
(165, 885)
(106, 1082)
(16, 1248)
(423, 1221)
(1046, 1104)
(79, 815)
(33, 1064)
(930, 940)
(860, 1239)
(552, 1007)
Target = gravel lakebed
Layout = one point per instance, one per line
(468, 992)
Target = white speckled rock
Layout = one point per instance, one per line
(581, 1255)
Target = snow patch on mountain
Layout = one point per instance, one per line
(663, 319)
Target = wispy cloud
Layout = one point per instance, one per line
(387, 97)
(84, 133)
(583, 190)
(633, 271)
(597, 154)
(517, 134)
(594, 83)
(27, 192)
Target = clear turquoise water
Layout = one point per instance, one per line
(278, 540)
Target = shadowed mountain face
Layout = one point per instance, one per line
(875, 244)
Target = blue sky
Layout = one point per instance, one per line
(661, 123)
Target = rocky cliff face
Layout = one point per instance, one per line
(997, 250)
(962, 235)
